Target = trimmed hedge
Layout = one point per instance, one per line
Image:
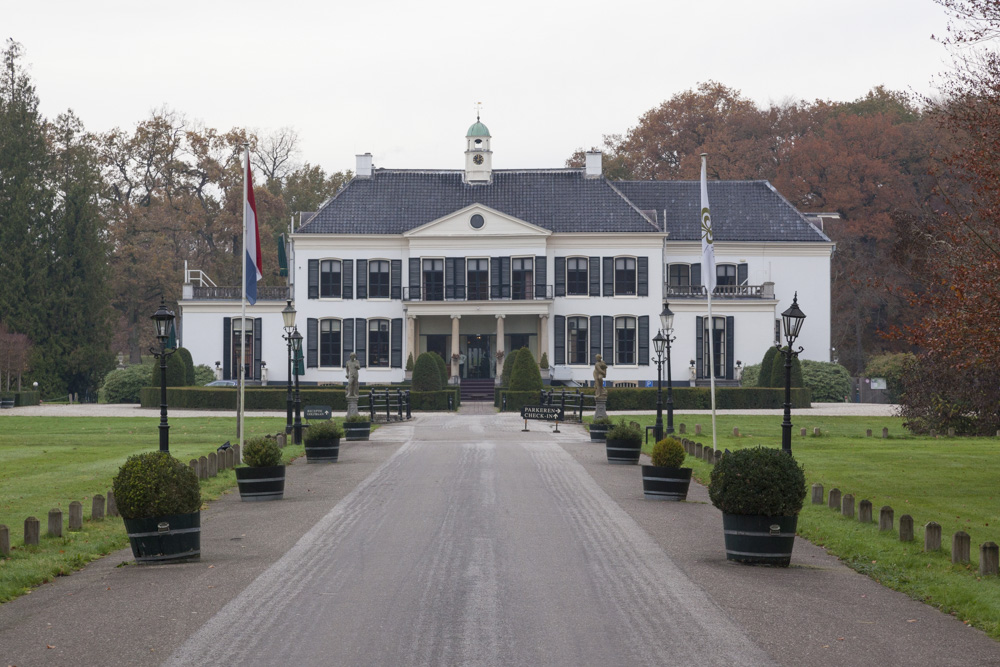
(266, 398)
(21, 397)
(685, 398)
(435, 401)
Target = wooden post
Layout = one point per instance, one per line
(4, 540)
(195, 466)
(682, 428)
(213, 464)
(906, 528)
(802, 432)
(736, 431)
(112, 505)
(698, 449)
(55, 523)
(834, 499)
(885, 431)
(97, 508)
(709, 454)
(951, 432)
(817, 496)
(282, 440)
(202, 467)
(31, 529)
(885, 518)
(231, 457)
(961, 547)
(697, 429)
(718, 456)
(816, 430)
(237, 458)
(848, 507)
(76, 515)
(932, 536)
(933, 433)
(989, 558)
(865, 511)
(868, 433)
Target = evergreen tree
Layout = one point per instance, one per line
(778, 370)
(525, 375)
(442, 368)
(766, 366)
(426, 376)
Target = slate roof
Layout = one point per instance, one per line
(394, 201)
(741, 210)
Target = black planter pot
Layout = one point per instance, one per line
(357, 430)
(598, 432)
(164, 539)
(665, 483)
(323, 451)
(623, 452)
(761, 540)
(259, 484)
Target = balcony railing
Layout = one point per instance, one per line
(278, 293)
(765, 291)
(493, 293)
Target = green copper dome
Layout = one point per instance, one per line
(478, 130)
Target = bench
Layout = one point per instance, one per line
(6, 403)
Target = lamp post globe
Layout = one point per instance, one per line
(288, 320)
(297, 424)
(162, 320)
(791, 321)
(658, 343)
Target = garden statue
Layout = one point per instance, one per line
(600, 372)
(353, 368)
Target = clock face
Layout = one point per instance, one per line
(478, 159)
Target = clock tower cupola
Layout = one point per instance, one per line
(478, 156)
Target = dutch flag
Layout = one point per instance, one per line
(251, 239)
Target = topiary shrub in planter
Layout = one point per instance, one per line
(358, 427)
(263, 478)
(624, 443)
(160, 500)
(322, 442)
(599, 429)
(760, 491)
(665, 479)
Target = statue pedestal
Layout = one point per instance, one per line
(602, 407)
(352, 406)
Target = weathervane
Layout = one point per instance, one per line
(479, 105)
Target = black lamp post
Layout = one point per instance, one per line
(791, 321)
(162, 319)
(288, 315)
(297, 426)
(658, 343)
(667, 324)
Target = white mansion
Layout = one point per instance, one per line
(476, 261)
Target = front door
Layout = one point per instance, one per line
(478, 359)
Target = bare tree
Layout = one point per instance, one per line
(274, 155)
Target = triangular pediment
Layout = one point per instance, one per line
(462, 223)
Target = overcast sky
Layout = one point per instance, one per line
(401, 79)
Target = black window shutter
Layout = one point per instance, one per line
(595, 276)
(595, 338)
(347, 337)
(642, 275)
(609, 340)
(495, 277)
(449, 277)
(540, 277)
(696, 275)
(730, 348)
(362, 279)
(313, 279)
(395, 278)
(312, 343)
(505, 277)
(348, 278)
(258, 327)
(396, 342)
(460, 278)
(415, 278)
(361, 340)
(227, 350)
(559, 347)
(643, 334)
(699, 346)
(609, 277)
(560, 277)
(741, 274)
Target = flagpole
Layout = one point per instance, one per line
(243, 301)
(708, 278)
(711, 367)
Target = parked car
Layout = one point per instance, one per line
(222, 383)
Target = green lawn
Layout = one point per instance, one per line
(48, 462)
(952, 481)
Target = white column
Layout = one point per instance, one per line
(411, 337)
(543, 337)
(499, 372)
(455, 319)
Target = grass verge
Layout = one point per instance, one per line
(948, 480)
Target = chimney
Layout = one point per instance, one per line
(593, 165)
(364, 166)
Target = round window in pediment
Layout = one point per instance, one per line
(477, 221)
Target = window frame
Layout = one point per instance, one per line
(423, 278)
(586, 275)
(586, 341)
(635, 275)
(634, 319)
(719, 278)
(336, 294)
(670, 274)
(372, 344)
(388, 278)
(320, 350)
(484, 288)
(527, 291)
